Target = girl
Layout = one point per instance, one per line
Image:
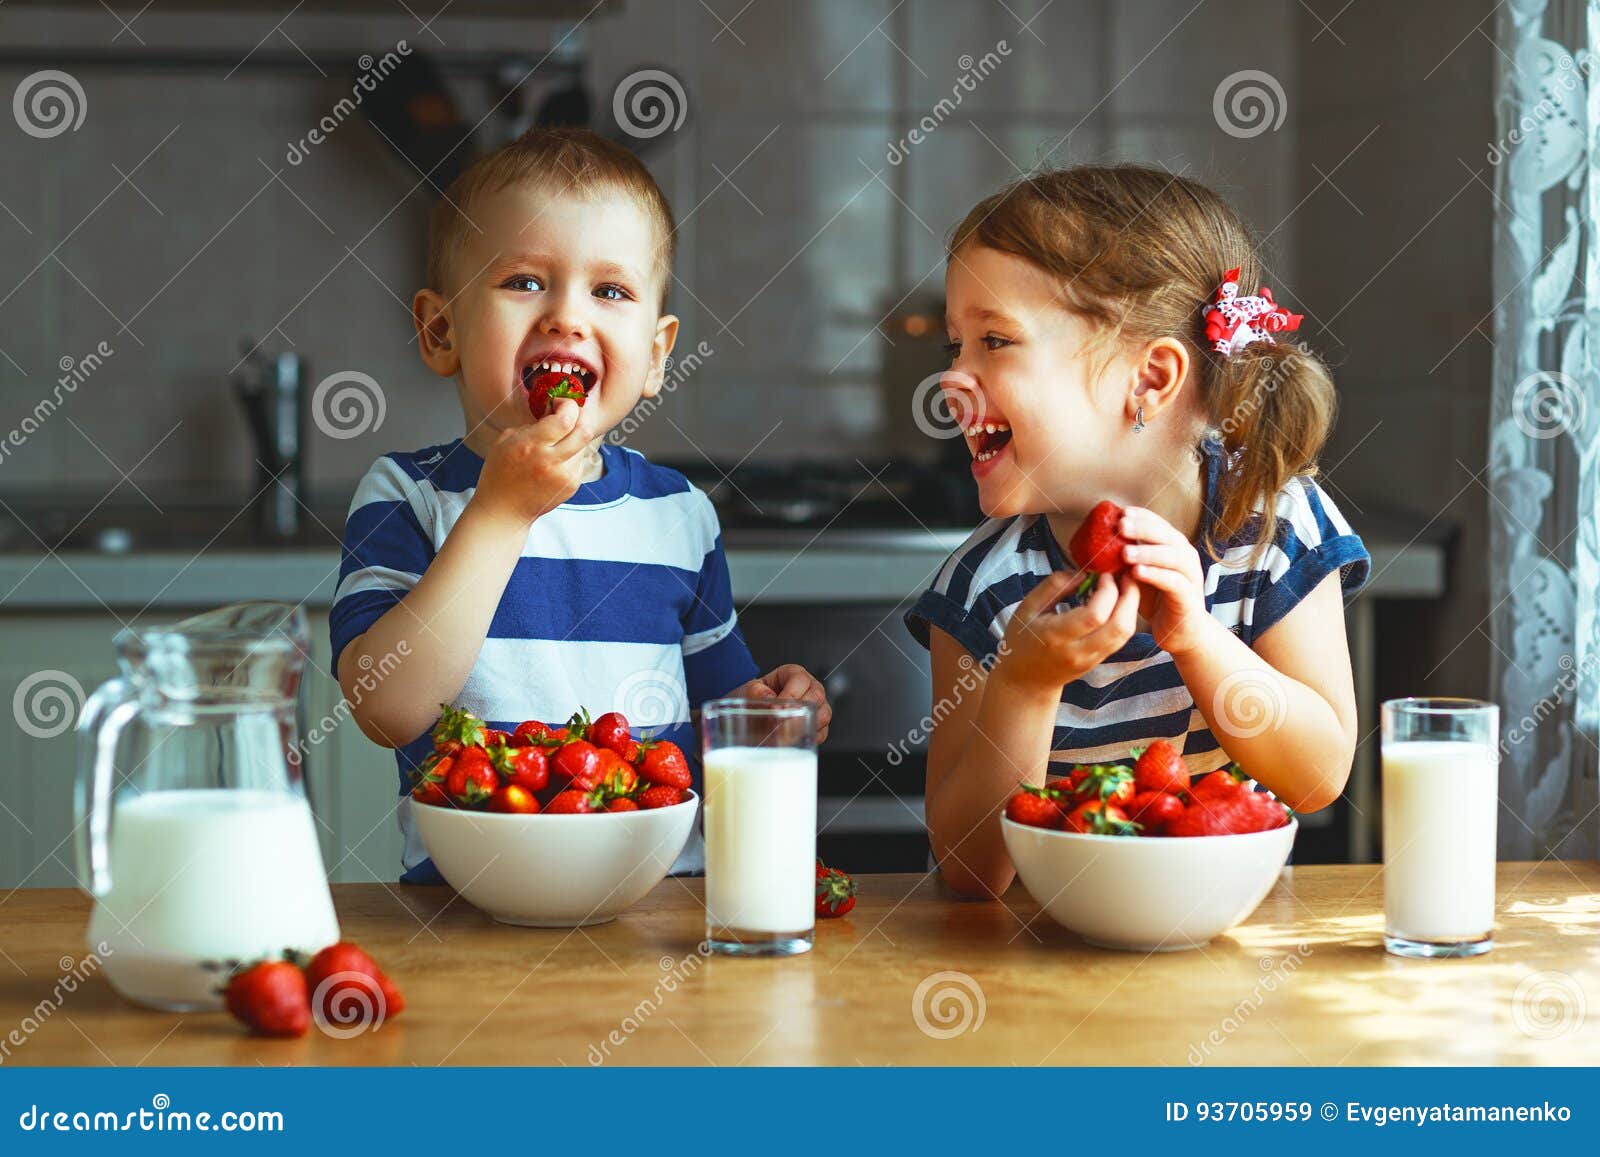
(1083, 370)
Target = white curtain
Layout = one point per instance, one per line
(1544, 437)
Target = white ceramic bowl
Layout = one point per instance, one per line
(554, 871)
(1147, 894)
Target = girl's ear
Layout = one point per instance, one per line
(435, 333)
(1160, 372)
(666, 337)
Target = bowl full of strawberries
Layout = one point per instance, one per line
(552, 826)
(1147, 858)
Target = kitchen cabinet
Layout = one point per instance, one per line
(53, 661)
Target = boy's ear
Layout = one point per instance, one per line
(666, 338)
(1160, 372)
(435, 335)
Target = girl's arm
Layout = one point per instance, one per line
(995, 730)
(1286, 710)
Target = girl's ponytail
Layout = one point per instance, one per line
(1272, 404)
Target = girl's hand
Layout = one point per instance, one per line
(1164, 560)
(791, 681)
(1045, 649)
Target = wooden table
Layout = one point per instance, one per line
(913, 976)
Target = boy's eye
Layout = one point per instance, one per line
(523, 281)
(952, 348)
(612, 293)
(992, 342)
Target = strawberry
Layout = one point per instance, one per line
(611, 731)
(472, 778)
(342, 978)
(546, 388)
(493, 737)
(1037, 807)
(427, 782)
(513, 799)
(574, 802)
(659, 795)
(661, 761)
(1097, 817)
(622, 804)
(1159, 767)
(1231, 813)
(529, 732)
(526, 767)
(617, 775)
(271, 998)
(836, 892)
(1097, 545)
(577, 764)
(456, 729)
(1110, 782)
(1215, 785)
(1153, 811)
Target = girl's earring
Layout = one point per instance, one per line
(1138, 420)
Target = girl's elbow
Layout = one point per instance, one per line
(977, 882)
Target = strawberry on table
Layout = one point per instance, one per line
(661, 761)
(343, 980)
(1159, 767)
(836, 891)
(271, 998)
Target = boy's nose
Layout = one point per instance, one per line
(564, 319)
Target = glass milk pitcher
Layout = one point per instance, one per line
(193, 830)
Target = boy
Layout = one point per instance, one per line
(530, 567)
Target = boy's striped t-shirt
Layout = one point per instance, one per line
(620, 601)
(1137, 695)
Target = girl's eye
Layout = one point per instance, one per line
(953, 349)
(612, 293)
(523, 281)
(992, 342)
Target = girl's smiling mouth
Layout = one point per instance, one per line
(987, 439)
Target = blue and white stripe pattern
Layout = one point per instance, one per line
(1137, 696)
(621, 599)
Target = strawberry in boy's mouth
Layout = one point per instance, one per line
(987, 441)
(552, 377)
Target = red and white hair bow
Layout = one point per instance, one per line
(1234, 321)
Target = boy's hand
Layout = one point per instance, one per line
(531, 470)
(1164, 560)
(1045, 649)
(790, 681)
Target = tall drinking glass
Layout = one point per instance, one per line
(1440, 800)
(761, 825)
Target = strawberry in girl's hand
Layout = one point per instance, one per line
(348, 987)
(661, 761)
(1097, 545)
(1159, 767)
(545, 389)
(271, 998)
(836, 892)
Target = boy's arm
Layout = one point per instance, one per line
(443, 620)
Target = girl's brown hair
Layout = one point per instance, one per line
(1139, 251)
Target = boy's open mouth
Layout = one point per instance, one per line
(561, 364)
(987, 439)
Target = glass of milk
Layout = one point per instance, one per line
(761, 825)
(1440, 801)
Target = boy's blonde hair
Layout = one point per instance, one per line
(1139, 251)
(555, 160)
